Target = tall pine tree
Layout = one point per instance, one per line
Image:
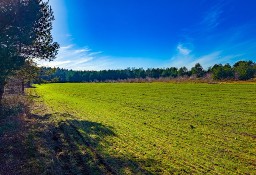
(25, 34)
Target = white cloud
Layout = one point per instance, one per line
(185, 57)
(80, 51)
(182, 57)
(183, 50)
(66, 47)
(206, 60)
(70, 57)
(215, 57)
(53, 63)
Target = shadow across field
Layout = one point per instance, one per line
(71, 146)
(14, 148)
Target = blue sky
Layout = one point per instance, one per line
(116, 34)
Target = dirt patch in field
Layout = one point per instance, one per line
(249, 135)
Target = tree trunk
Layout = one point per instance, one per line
(1, 96)
(22, 87)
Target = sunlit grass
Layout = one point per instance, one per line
(164, 127)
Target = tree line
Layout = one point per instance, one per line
(241, 70)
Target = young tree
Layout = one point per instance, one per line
(25, 34)
(29, 72)
(198, 70)
(220, 72)
(244, 70)
(182, 71)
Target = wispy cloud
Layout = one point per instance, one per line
(217, 57)
(185, 57)
(182, 57)
(71, 57)
(212, 17)
(54, 63)
(207, 60)
(183, 50)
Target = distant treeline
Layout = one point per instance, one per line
(242, 70)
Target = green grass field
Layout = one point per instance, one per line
(159, 128)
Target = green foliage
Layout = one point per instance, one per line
(222, 72)
(25, 34)
(244, 70)
(29, 72)
(198, 70)
(218, 71)
(183, 71)
(165, 128)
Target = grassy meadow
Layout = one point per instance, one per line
(155, 128)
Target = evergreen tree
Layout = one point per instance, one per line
(244, 70)
(198, 70)
(25, 34)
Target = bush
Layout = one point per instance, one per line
(220, 72)
(244, 70)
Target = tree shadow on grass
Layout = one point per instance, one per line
(12, 135)
(75, 146)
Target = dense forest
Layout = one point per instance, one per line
(241, 70)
